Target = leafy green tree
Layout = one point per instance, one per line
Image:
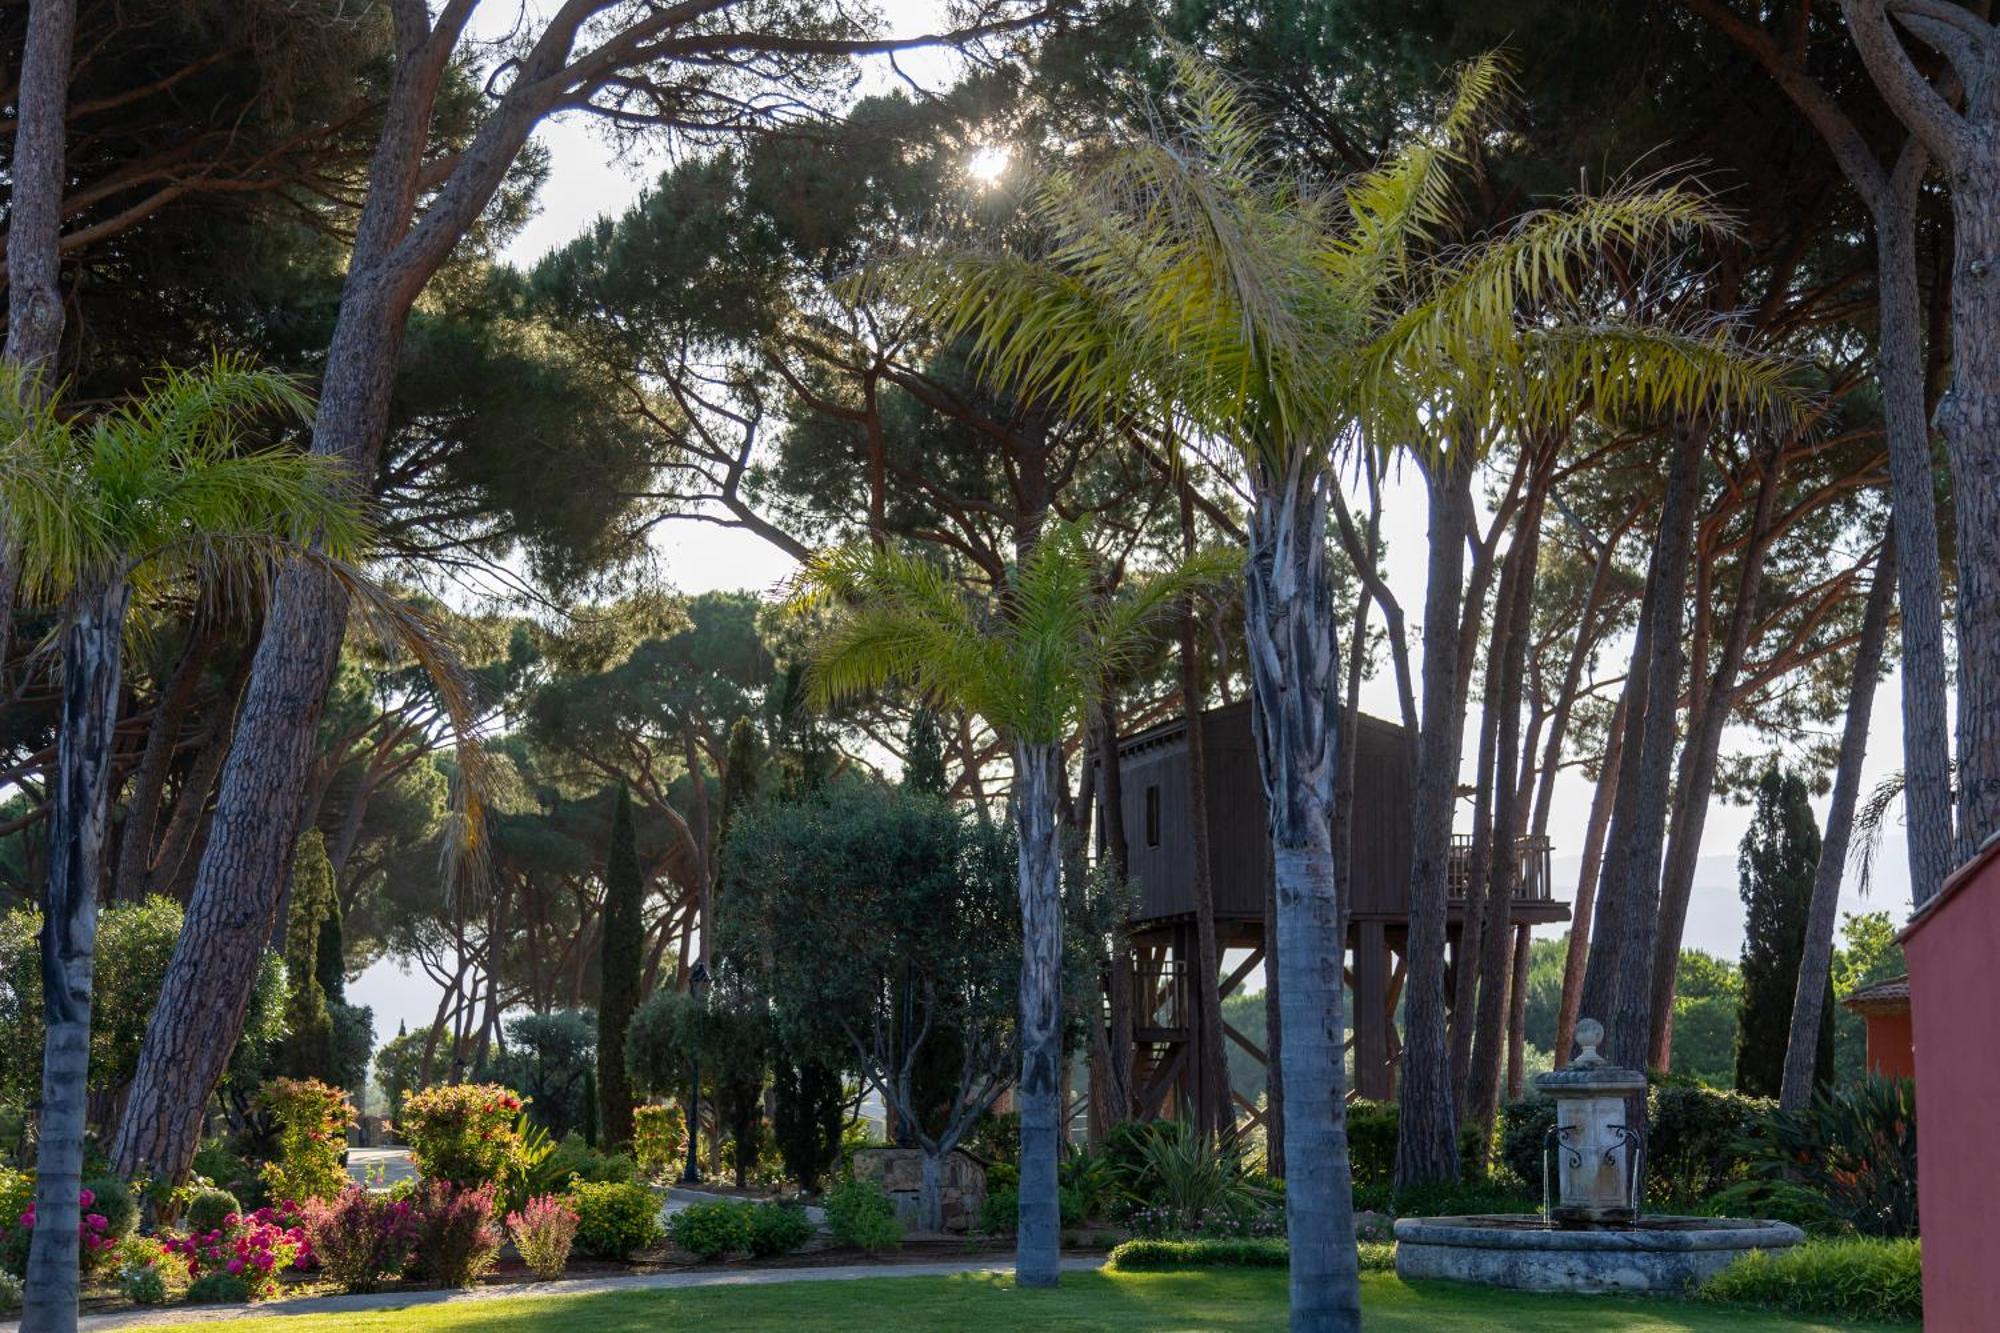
(1033, 663)
(399, 1068)
(622, 959)
(923, 759)
(808, 1113)
(547, 1060)
(1775, 871)
(888, 928)
(730, 1030)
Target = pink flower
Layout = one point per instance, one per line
(97, 1221)
(236, 1265)
(85, 1198)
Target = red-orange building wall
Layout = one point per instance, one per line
(1953, 947)
(1890, 1046)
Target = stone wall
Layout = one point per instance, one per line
(900, 1172)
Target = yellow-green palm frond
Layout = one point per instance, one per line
(1630, 371)
(898, 619)
(1412, 197)
(1130, 621)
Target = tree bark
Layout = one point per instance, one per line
(1631, 1024)
(1641, 792)
(1815, 963)
(34, 225)
(1214, 1072)
(230, 910)
(1968, 417)
(1288, 623)
(1427, 1128)
(1695, 783)
(1586, 883)
(1037, 1252)
(149, 779)
(1510, 816)
(91, 645)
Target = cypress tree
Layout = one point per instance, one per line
(1775, 868)
(330, 964)
(923, 757)
(308, 1047)
(620, 963)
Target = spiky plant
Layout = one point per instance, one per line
(1183, 276)
(1031, 661)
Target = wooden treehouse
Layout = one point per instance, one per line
(1376, 883)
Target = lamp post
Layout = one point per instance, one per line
(697, 989)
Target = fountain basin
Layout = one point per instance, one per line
(1521, 1251)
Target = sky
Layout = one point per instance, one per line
(590, 178)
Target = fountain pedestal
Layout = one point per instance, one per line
(1598, 1150)
(1593, 1238)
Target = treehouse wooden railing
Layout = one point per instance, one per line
(1533, 882)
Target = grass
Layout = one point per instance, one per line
(1216, 1299)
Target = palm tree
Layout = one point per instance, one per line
(109, 505)
(1183, 276)
(1031, 661)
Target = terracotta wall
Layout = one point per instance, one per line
(1890, 1047)
(1954, 954)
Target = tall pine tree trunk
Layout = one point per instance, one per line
(1586, 883)
(36, 175)
(1288, 622)
(1617, 984)
(1816, 962)
(1427, 1127)
(91, 646)
(1213, 1076)
(1695, 782)
(1037, 791)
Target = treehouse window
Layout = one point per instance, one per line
(1153, 816)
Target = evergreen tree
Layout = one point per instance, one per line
(330, 961)
(1775, 871)
(742, 772)
(308, 1050)
(619, 966)
(923, 759)
(808, 1114)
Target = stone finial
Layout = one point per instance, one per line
(1589, 1036)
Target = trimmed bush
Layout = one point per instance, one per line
(1857, 1278)
(360, 1238)
(112, 1200)
(1371, 1145)
(776, 1228)
(575, 1160)
(543, 1231)
(859, 1213)
(218, 1289)
(465, 1134)
(1260, 1252)
(710, 1230)
(210, 1210)
(457, 1241)
(615, 1220)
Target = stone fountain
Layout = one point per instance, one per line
(1592, 1235)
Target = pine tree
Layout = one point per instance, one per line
(308, 1049)
(923, 759)
(620, 963)
(1775, 869)
(742, 773)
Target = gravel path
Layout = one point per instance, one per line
(397, 1300)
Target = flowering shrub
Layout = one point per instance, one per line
(614, 1220)
(209, 1208)
(359, 1238)
(141, 1262)
(463, 1133)
(659, 1137)
(254, 1250)
(543, 1231)
(456, 1238)
(313, 1119)
(95, 1232)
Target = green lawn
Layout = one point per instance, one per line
(1222, 1299)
